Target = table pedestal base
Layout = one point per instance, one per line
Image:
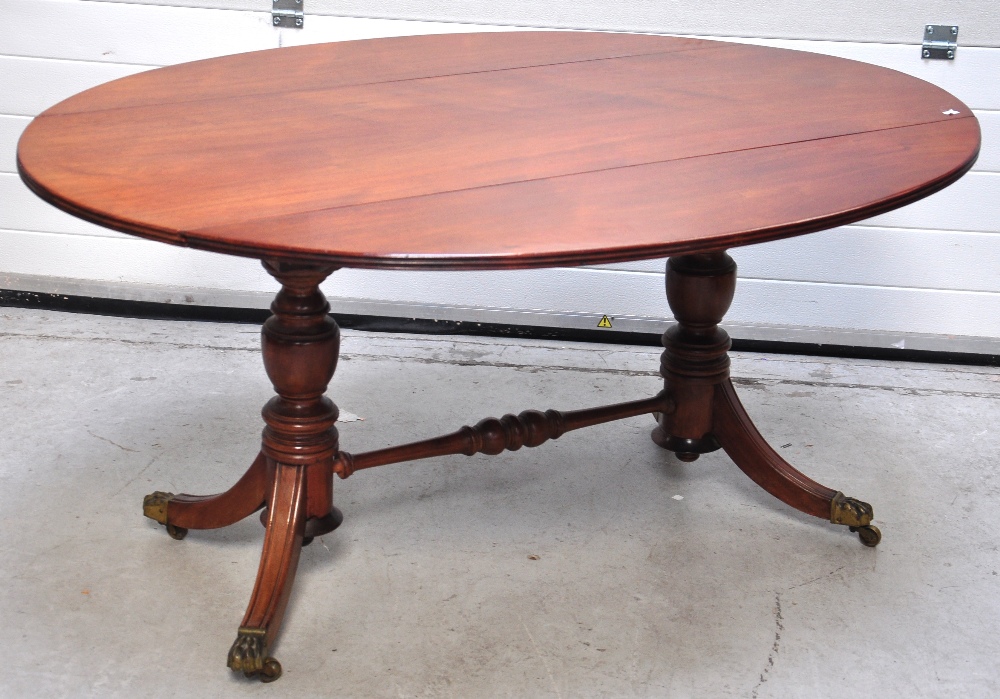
(697, 412)
(709, 415)
(293, 475)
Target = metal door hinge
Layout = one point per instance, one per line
(940, 41)
(287, 13)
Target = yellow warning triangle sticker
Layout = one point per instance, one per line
(605, 322)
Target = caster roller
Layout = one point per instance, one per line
(869, 535)
(271, 670)
(176, 532)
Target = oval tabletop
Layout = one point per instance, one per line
(498, 150)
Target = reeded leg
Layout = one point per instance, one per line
(300, 347)
(280, 558)
(695, 370)
(182, 512)
(756, 458)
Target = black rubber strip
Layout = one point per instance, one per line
(423, 326)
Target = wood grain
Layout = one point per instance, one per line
(645, 211)
(496, 150)
(335, 65)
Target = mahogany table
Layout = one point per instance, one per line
(489, 151)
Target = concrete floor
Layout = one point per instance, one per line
(594, 566)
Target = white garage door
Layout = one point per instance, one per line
(926, 276)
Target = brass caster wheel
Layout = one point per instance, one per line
(869, 535)
(271, 670)
(176, 532)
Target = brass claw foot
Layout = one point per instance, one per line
(856, 515)
(248, 656)
(154, 506)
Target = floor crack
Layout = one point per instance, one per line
(775, 647)
(105, 439)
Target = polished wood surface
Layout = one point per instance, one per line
(497, 150)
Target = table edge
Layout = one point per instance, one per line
(501, 261)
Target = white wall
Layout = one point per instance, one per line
(888, 21)
(931, 268)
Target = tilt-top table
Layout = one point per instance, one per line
(489, 151)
